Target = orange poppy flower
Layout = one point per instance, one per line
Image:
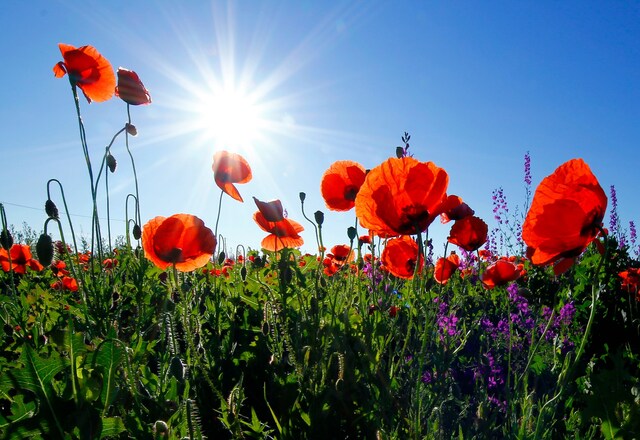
(502, 272)
(340, 184)
(88, 70)
(400, 256)
(272, 211)
(341, 254)
(401, 197)
(284, 233)
(229, 168)
(565, 215)
(181, 239)
(453, 208)
(130, 89)
(20, 258)
(445, 267)
(469, 233)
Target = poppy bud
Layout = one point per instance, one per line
(111, 163)
(44, 249)
(319, 216)
(160, 428)
(221, 257)
(399, 152)
(243, 273)
(137, 232)
(131, 129)
(6, 240)
(302, 197)
(352, 233)
(51, 209)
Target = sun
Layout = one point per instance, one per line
(230, 117)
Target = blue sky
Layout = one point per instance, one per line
(476, 84)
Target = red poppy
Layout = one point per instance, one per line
(284, 233)
(181, 239)
(88, 70)
(130, 89)
(338, 257)
(20, 258)
(340, 184)
(109, 263)
(401, 196)
(400, 256)
(445, 267)
(272, 211)
(59, 268)
(469, 233)
(631, 280)
(229, 168)
(502, 272)
(453, 208)
(565, 215)
(66, 283)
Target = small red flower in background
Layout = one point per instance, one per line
(284, 233)
(445, 267)
(66, 283)
(469, 233)
(502, 272)
(340, 184)
(88, 70)
(59, 268)
(393, 311)
(631, 281)
(20, 258)
(339, 256)
(401, 197)
(229, 168)
(181, 239)
(453, 208)
(565, 216)
(130, 89)
(400, 256)
(109, 263)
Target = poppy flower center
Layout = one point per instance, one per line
(173, 255)
(350, 192)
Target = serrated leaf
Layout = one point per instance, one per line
(108, 357)
(112, 426)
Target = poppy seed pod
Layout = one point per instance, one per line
(44, 249)
(302, 197)
(6, 240)
(111, 162)
(137, 232)
(352, 233)
(319, 216)
(51, 209)
(131, 129)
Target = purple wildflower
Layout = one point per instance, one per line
(527, 169)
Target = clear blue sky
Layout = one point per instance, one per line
(477, 84)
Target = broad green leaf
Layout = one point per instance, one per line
(109, 357)
(111, 427)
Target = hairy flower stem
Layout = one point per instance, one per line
(215, 233)
(66, 210)
(133, 167)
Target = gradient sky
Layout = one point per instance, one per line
(476, 84)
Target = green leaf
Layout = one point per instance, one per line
(109, 356)
(111, 427)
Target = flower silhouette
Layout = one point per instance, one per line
(88, 70)
(181, 239)
(272, 211)
(340, 184)
(130, 89)
(229, 168)
(565, 215)
(401, 197)
(400, 256)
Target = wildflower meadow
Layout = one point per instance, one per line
(527, 326)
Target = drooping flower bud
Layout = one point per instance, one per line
(137, 232)
(131, 129)
(44, 249)
(51, 209)
(319, 216)
(399, 152)
(111, 162)
(221, 257)
(302, 197)
(6, 240)
(352, 233)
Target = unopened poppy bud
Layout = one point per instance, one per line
(399, 152)
(243, 273)
(137, 232)
(352, 233)
(221, 257)
(177, 369)
(319, 216)
(44, 249)
(6, 239)
(131, 129)
(161, 429)
(51, 209)
(302, 197)
(111, 163)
